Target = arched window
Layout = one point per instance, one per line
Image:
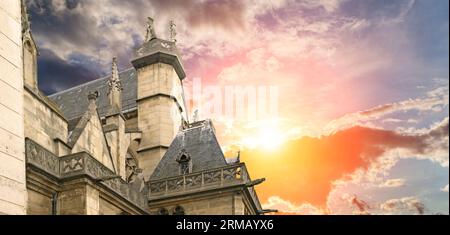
(178, 210)
(29, 64)
(185, 162)
(184, 165)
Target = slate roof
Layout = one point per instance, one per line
(73, 102)
(199, 143)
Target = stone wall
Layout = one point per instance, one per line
(118, 142)
(160, 108)
(131, 123)
(12, 162)
(39, 203)
(220, 205)
(42, 124)
(108, 208)
(216, 204)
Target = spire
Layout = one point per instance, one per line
(25, 21)
(115, 88)
(150, 34)
(114, 81)
(173, 32)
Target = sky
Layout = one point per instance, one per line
(361, 118)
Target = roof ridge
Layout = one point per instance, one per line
(86, 83)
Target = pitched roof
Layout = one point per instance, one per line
(79, 128)
(73, 102)
(199, 143)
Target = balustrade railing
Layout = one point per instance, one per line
(232, 174)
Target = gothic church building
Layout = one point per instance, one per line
(118, 145)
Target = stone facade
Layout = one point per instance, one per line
(160, 108)
(13, 196)
(41, 121)
(221, 191)
(112, 146)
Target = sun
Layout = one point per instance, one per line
(270, 138)
(266, 137)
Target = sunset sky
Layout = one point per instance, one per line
(362, 121)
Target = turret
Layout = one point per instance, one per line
(160, 102)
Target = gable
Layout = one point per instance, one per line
(88, 136)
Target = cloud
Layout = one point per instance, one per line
(393, 183)
(402, 205)
(54, 73)
(445, 189)
(288, 208)
(327, 5)
(434, 100)
(102, 29)
(314, 164)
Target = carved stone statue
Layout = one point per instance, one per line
(173, 32)
(131, 168)
(195, 116)
(150, 34)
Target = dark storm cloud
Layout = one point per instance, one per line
(99, 30)
(57, 74)
(67, 26)
(71, 4)
(80, 28)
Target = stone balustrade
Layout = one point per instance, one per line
(231, 175)
(77, 165)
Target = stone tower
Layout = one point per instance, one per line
(160, 102)
(13, 34)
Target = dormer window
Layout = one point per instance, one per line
(185, 163)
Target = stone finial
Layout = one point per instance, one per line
(25, 18)
(115, 88)
(195, 116)
(150, 34)
(115, 73)
(93, 95)
(172, 31)
(114, 81)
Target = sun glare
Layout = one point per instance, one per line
(266, 137)
(270, 138)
